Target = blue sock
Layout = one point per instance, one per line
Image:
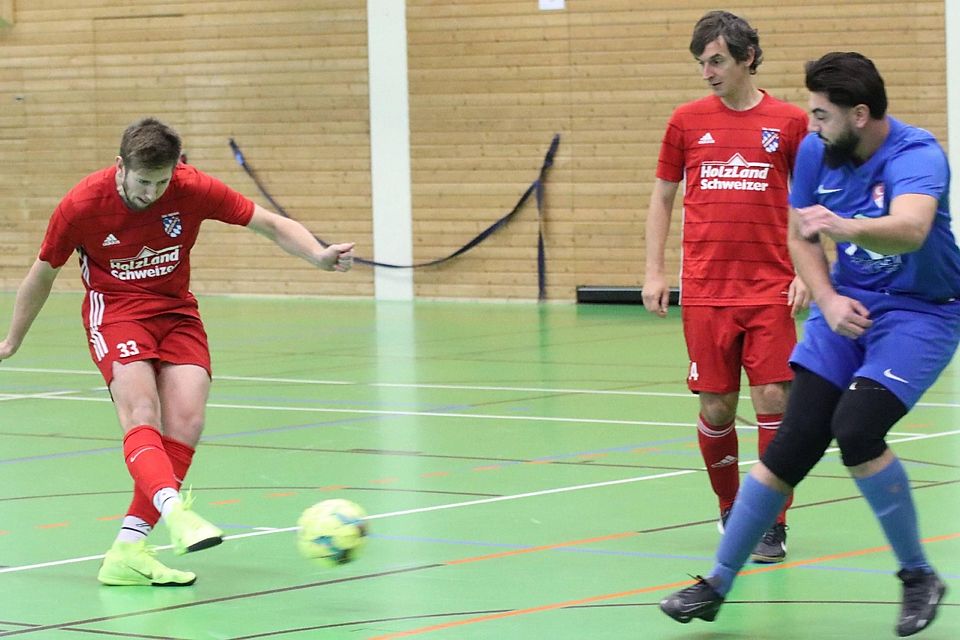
(754, 511)
(888, 493)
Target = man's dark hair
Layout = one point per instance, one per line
(150, 144)
(737, 33)
(848, 79)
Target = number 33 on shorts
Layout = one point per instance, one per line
(128, 348)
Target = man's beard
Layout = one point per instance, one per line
(840, 151)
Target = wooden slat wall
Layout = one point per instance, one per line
(491, 81)
(286, 79)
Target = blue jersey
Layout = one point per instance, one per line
(909, 161)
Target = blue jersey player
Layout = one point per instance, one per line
(885, 324)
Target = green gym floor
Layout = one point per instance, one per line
(531, 473)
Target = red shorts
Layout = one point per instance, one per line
(171, 337)
(722, 340)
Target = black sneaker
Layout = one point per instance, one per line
(922, 592)
(698, 601)
(772, 546)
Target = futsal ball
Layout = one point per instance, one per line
(332, 532)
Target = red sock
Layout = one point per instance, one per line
(718, 445)
(147, 461)
(767, 425)
(180, 455)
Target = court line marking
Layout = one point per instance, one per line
(458, 505)
(472, 416)
(418, 414)
(464, 387)
(40, 396)
(621, 594)
(393, 514)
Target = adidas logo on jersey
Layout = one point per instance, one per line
(706, 139)
(110, 240)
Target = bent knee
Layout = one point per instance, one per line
(864, 415)
(718, 409)
(770, 398)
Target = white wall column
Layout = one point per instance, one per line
(390, 148)
(952, 10)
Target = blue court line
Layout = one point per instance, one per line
(360, 419)
(230, 398)
(222, 436)
(310, 425)
(56, 456)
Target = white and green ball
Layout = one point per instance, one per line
(332, 532)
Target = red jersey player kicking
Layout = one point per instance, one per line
(133, 225)
(739, 294)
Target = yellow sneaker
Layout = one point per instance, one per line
(188, 531)
(129, 564)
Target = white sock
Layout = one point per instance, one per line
(165, 499)
(134, 529)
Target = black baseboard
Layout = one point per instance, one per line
(594, 294)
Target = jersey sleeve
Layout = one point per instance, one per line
(223, 203)
(919, 168)
(61, 238)
(670, 164)
(806, 171)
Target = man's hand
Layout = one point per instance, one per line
(817, 219)
(846, 316)
(798, 296)
(656, 295)
(337, 257)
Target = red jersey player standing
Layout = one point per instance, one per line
(133, 225)
(739, 292)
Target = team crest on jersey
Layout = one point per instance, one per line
(171, 224)
(770, 139)
(877, 195)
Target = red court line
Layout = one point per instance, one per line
(622, 594)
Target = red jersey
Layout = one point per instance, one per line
(136, 264)
(737, 166)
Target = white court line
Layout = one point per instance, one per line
(265, 531)
(463, 387)
(398, 385)
(42, 395)
(392, 514)
(440, 414)
(420, 414)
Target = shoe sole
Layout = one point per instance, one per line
(767, 559)
(682, 619)
(206, 543)
(933, 615)
(125, 583)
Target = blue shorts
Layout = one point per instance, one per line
(907, 347)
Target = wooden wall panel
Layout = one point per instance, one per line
(492, 80)
(287, 79)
